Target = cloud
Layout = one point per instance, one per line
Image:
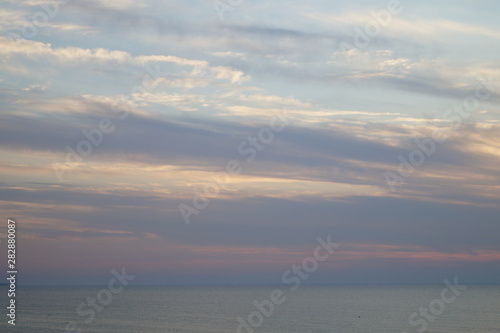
(191, 90)
(405, 27)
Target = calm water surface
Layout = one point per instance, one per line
(309, 309)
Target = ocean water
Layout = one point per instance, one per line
(309, 309)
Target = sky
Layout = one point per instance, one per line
(213, 142)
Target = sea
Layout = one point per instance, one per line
(266, 309)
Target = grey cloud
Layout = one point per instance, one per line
(265, 222)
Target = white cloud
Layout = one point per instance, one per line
(422, 29)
